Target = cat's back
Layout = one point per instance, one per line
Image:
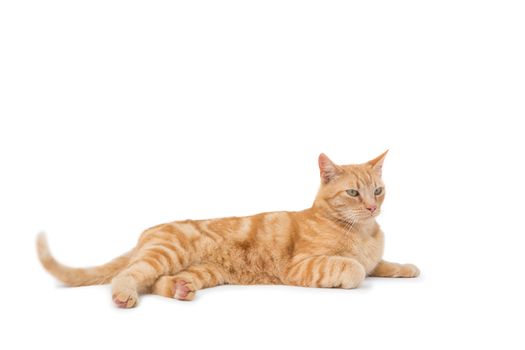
(263, 227)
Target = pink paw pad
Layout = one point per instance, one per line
(120, 303)
(181, 290)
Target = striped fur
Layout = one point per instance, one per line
(335, 243)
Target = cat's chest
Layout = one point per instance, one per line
(365, 247)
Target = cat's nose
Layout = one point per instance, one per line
(372, 208)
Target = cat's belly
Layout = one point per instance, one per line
(248, 263)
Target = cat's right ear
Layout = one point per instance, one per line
(377, 163)
(329, 170)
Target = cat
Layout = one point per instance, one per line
(335, 243)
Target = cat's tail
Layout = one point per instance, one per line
(79, 276)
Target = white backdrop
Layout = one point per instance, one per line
(119, 115)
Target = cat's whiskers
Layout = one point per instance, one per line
(350, 225)
(365, 213)
(350, 218)
(354, 220)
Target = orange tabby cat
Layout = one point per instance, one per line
(335, 243)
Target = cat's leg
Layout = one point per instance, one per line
(325, 271)
(388, 269)
(146, 267)
(184, 284)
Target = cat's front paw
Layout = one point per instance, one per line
(353, 277)
(409, 271)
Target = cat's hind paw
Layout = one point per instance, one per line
(125, 299)
(183, 290)
(175, 287)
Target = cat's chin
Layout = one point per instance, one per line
(363, 216)
(369, 217)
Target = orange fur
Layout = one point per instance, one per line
(335, 243)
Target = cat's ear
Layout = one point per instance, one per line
(329, 170)
(377, 163)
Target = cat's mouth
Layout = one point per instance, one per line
(376, 212)
(362, 215)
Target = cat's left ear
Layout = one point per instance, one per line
(329, 170)
(377, 163)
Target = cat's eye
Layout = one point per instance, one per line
(352, 193)
(378, 191)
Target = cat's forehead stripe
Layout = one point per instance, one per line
(361, 177)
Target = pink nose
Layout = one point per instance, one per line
(372, 208)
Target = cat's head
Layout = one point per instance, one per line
(351, 192)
